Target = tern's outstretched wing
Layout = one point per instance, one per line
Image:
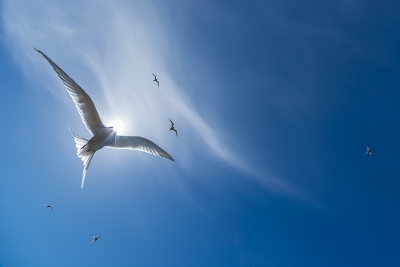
(137, 143)
(82, 100)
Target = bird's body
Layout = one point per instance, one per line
(99, 140)
(173, 128)
(155, 80)
(95, 238)
(102, 135)
(369, 151)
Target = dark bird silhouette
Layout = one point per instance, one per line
(155, 80)
(95, 239)
(173, 129)
(48, 206)
(369, 151)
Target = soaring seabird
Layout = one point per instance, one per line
(102, 136)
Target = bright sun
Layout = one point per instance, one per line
(118, 126)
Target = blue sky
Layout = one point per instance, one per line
(274, 102)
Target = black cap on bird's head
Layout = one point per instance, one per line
(112, 129)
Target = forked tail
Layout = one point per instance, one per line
(85, 156)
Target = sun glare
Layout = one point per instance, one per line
(118, 126)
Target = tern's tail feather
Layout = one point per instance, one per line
(84, 155)
(86, 163)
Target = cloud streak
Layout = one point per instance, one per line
(111, 54)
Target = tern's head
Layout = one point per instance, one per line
(112, 129)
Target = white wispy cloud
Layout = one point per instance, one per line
(111, 49)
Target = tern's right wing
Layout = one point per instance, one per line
(138, 143)
(82, 100)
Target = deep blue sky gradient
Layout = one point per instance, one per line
(296, 90)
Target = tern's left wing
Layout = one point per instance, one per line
(137, 143)
(82, 100)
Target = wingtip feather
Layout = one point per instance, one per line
(37, 50)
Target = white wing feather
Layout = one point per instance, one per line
(137, 143)
(82, 100)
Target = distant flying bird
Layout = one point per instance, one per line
(173, 129)
(95, 239)
(155, 80)
(102, 136)
(48, 206)
(369, 151)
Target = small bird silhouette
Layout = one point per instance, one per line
(95, 239)
(155, 80)
(48, 206)
(369, 151)
(173, 129)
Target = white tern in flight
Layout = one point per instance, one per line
(369, 151)
(95, 238)
(102, 136)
